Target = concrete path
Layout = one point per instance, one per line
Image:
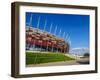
(62, 63)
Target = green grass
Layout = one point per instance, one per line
(37, 58)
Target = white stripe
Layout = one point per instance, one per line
(63, 34)
(38, 23)
(59, 32)
(30, 24)
(55, 30)
(50, 27)
(66, 37)
(45, 25)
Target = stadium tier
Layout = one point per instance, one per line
(40, 40)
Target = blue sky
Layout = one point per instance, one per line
(75, 26)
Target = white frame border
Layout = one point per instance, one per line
(53, 69)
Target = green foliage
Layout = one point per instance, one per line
(37, 58)
(86, 55)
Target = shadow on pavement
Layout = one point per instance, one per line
(80, 62)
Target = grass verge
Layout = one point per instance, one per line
(37, 58)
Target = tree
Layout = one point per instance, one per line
(86, 55)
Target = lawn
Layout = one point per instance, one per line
(37, 58)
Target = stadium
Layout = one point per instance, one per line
(48, 41)
(39, 40)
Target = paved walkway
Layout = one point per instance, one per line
(62, 63)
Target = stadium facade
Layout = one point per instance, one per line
(39, 40)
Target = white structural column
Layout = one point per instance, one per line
(45, 25)
(55, 35)
(59, 33)
(50, 28)
(49, 33)
(59, 36)
(63, 35)
(55, 31)
(44, 30)
(30, 24)
(34, 40)
(38, 23)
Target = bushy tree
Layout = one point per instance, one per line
(86, 55)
